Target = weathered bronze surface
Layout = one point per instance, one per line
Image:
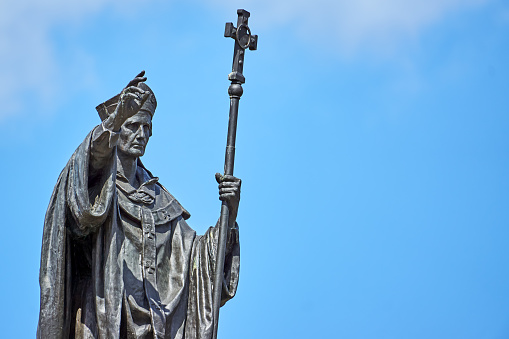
(118, 257)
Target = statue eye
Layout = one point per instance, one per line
(147, 130)
(132, 127)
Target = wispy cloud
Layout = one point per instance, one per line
(27, 53)
(353, 25)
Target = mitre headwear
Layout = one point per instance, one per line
(109, 106)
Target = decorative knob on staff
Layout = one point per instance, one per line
(243, 40)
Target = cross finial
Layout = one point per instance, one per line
(243, 40)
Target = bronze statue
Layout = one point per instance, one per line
(118, 258)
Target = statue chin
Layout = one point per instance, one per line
(133, 151)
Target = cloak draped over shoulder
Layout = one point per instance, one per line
(120, 262)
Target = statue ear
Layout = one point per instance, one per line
(107, 107)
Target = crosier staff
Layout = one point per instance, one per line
(243, 40)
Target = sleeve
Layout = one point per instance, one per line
(203, 261)
(78, 206)
(90, 190)
(102, 144)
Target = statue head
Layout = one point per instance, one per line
(136, 131)
(134, 134)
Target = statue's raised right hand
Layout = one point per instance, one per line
(130, 101)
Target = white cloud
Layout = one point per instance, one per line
(353, 24)
(27, 54)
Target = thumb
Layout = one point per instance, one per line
(219, 178)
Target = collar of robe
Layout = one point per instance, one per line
(145, 194)
(164, 210)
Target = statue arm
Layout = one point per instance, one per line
(90, 185)
(102, 143)
(201, 277)
(93, 166)
(231, 258)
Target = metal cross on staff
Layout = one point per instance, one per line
(243, 40)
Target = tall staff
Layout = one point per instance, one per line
(243, 40)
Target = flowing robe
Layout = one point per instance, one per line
(120, 262)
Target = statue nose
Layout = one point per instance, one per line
(141, 133)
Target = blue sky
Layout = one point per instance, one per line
(372, 144)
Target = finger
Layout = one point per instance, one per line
(228, 190)
(229, 184)
(231, 179)
(228, 177)
(219, 178)
(136, 81)
(139, 78)
(134, 89)
(137, 94)
(144, 97)
(129, 96)
(226, 197)
(131, 101)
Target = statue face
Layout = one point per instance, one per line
(134, 134)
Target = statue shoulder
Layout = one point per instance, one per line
(169, 202)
